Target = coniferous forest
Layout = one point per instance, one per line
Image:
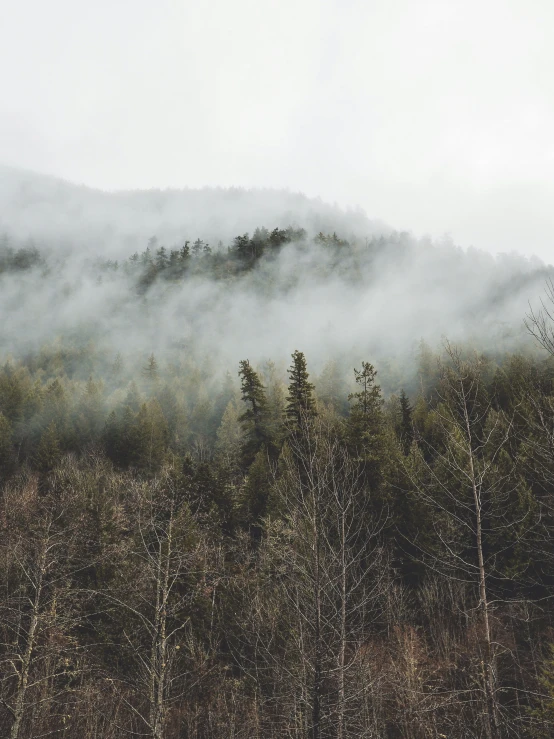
(353, 537)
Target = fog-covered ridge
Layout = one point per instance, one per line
(64, 214)
(351, 291)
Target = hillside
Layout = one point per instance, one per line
(61, 213)
(268, 470)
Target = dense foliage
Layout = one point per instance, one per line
(190, 550)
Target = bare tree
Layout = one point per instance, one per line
(540, 324)
(322, 561)
(165, 571)
(39, 609)
(481, 504)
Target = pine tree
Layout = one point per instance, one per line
(184, 253)
(406, 425)
(151, 370)
(161, 259)
(365, 427)
(151, 436)
(276, 393)
(255, 418)
(48, 451)
(278, 237)
(90, 415)
(242, 246)
(330, 387)
(230, 438)
(368, 398)
(300, 399)
(197, 247)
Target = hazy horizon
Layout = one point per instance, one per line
(434, 117)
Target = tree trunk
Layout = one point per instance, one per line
(316, 696)
(342, 645)
(491, 726)
(19, 707)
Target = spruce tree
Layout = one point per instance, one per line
(406, 425)
(242, 246)
(151, 371)
(365, 427)
(197, 247)
(300, 399)
(229, 437)
(48, 451)
(161, 259)
(151, 437)
(254, 420)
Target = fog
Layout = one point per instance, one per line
(75, 218)
(374, 298)
(434, 116)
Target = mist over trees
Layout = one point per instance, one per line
(274, 480)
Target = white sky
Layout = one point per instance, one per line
(434, 115)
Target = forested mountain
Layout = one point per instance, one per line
(71, 216)
(294, 479)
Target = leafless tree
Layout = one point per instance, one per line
(540, 323)
(322, 561)
(39, 612)
(165, 575)
(469, 479)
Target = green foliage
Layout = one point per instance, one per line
(6, 445)
(300, 398)
(255, 419)
(230, 436)
(48, 452)
(406, 431)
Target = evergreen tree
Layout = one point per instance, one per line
(300, 399)
(133, 398)
(197, 247)
(146, 256)
(277, 238)
(161, 259)
(151, 436)
(259, 241)
(366, 418)
(5, 443)
(230, 439)
(111, 438)
(184, 253)
(151, 371)
(90, 414)
(330, 387)
(48, 452)
(242, 246)
(365, 427)
(255, 493)
(406, 424)
(255, 418)
(276, 394)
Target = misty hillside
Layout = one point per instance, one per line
(268, 470)
(232, 273)
(64, 214)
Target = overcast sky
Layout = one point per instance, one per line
(433, 115)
